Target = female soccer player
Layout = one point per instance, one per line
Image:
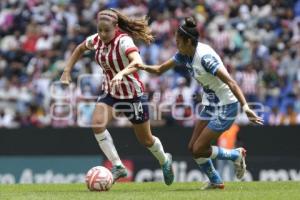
(220, 100)
(115, 51)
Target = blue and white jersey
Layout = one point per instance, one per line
(203, 68)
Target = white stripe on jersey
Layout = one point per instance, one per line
(134, 84)
(127, 81)
(97, 45)
(106, 81)
(110, 70)
(116, 65)
(122, 65)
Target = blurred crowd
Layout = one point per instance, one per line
(258, 40)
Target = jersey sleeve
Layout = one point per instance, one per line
(127, 45)
(92, 41)
(179, 59)
(210, 63)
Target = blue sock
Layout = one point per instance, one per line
(208, 168)
(224, 154)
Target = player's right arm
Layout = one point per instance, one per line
(77, 53)
(158, 69)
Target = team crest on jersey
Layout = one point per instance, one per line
(104, 51)
(104, 65)
(90, 43)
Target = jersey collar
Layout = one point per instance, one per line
(118, 32)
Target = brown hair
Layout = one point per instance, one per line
(137, 28)
(189, 30)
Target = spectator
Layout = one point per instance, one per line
(248, 80)
(275, 117)
(290, 64)
(290, 117)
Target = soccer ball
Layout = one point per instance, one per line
(99, 179)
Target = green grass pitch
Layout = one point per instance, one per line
(155, 191)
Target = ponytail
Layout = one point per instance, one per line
(137, 28)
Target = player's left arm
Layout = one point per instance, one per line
(134, 59)
(222, 74)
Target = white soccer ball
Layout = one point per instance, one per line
(99, 179)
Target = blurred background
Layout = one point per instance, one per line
(42, 123)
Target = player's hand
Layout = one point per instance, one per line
(139, 66)
(65, 78)
(253, 117)
(117, 80)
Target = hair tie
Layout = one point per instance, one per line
(107, 14)
(187, 33)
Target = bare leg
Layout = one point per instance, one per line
(200, 125)
(202, 145)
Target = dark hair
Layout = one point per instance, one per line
(189, 30)
(137, 28)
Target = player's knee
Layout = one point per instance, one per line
(99, 123)
(98, 126)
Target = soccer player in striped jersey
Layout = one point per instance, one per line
(220, 99)
(115, 51)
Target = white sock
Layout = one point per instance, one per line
(214, 152)
(158, 151)
(106, 144)
(201, 160)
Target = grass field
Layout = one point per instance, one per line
(156, 191)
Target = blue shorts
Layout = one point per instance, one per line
(136, 109)
(220, 118)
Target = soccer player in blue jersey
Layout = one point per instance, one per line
(220, 99)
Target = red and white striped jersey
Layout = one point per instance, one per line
(249, 82)
(113, 57)
(221, 41)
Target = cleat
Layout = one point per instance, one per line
(240, 164)
(118, 172)
(167, 170)
(211, 186)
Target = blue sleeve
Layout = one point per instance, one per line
(210, 63)
(179, 59)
